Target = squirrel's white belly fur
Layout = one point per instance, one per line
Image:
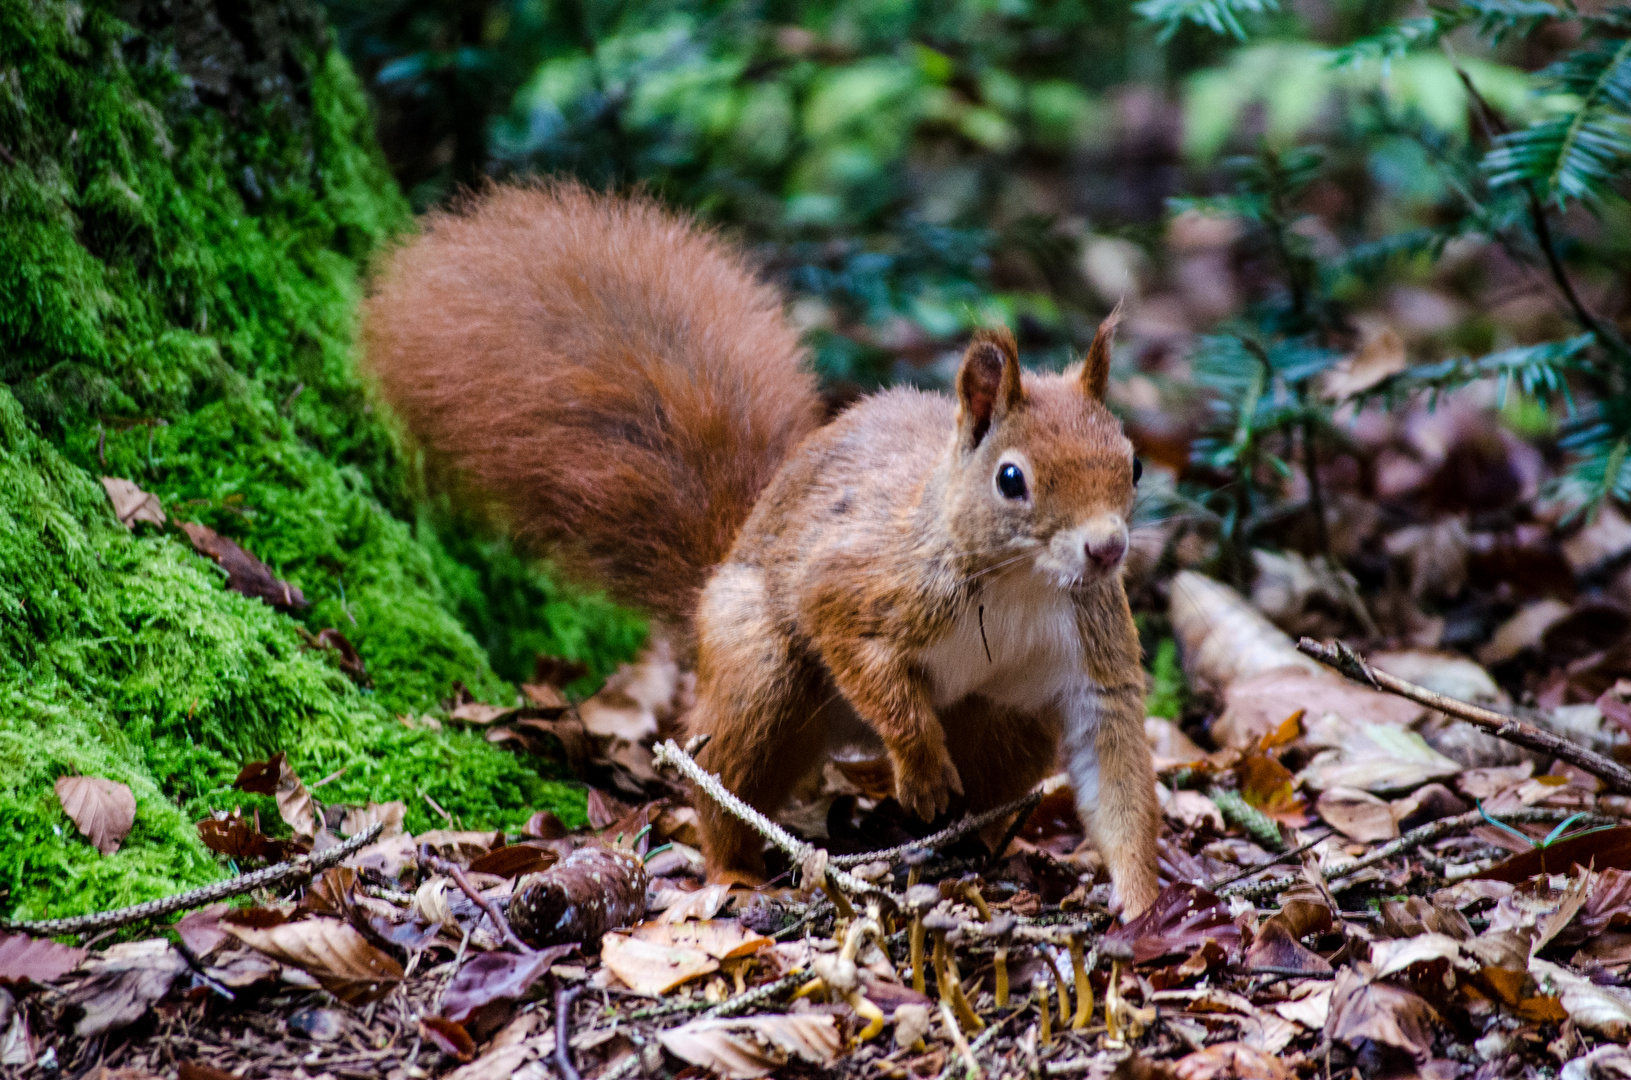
(1018, 645)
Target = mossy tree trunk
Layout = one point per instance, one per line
(189, 195)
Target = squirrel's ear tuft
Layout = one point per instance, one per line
(988, 384)
(1096, 371)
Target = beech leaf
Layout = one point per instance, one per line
(1373, 1017)
(245, 573)
(330, 951)
(722, 939)
(122, 983)
(1182, 917)
(449, 1037)
(40, 960)
(495, 977)
(650, 968)
(131, 504)
(104, 810)
(750, 1047)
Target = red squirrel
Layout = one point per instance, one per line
(944, 569)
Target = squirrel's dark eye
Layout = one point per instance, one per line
(1138, 471)
(1011, 482)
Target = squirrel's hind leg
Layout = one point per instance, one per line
(756, 698)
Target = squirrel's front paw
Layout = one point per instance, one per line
(925, 782)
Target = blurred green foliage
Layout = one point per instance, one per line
(909, 169)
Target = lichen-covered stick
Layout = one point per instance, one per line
(1515, 731)
(283, 873)
(669, 753)
(1021, 805)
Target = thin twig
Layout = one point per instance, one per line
(962, 828)
(1353, 665)
(456, 872)
(564, 996)
(1280, 858)
(669, 753)
(757, 996)
(1414, 838)
(283, 873)
(956, 1058)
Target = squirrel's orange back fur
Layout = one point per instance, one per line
(613, 376)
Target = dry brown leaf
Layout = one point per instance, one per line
(390, 814)
(1378, 758)
(459, 845)
(1276, 948)
(722, 939)
(514, 861)
(332, 952)
(201, 931)
(1380, 1017)
(131, 504)
(245, 573)
(1230, 1061)
(481, 714)
(1269, 786)
(499, 1064)
(636, 697)
(1193, 810)
(1224, 639)
(495, 978)
(1181, 919)
(122, 983)
(1393, 957)
(40, 960)
(1603, 1009)
(104, 810)
(448, 1037)
(1358, 815)
(1308, 1004)
(295, 804)
(704, 903)
(652, 969)
(1381, 356)
(748, 1047)
(1603, 1063)
(1256, 705)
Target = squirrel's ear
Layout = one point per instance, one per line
(1096, 370)
(987, 384)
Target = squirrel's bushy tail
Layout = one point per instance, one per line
(613, 377)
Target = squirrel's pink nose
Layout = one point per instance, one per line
(1105, 552)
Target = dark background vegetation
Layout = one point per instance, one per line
(909, 170)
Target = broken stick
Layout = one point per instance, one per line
(1351, 664)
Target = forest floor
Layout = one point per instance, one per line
(1353, 882)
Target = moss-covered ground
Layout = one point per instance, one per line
(188, 209)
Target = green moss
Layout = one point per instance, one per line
(179, 274)
(1167, 685)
